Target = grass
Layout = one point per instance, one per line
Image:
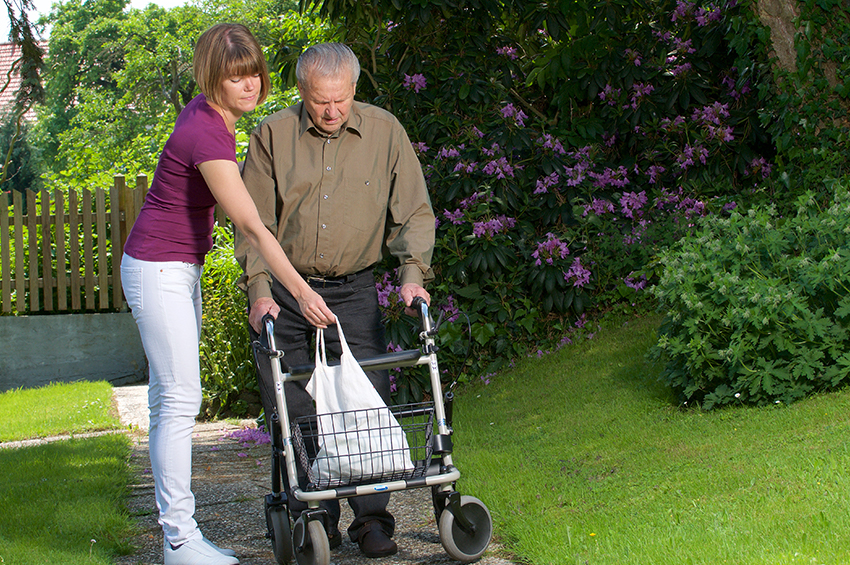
(56, 409)
(63, 501)
(583, 457)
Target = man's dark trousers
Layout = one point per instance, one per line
(354, 300)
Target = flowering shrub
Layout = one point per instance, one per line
(565, 144)
(758, 305)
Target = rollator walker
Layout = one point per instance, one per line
(464, 523)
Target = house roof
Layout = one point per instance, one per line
(9, 55)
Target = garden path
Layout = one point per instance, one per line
(230, 480)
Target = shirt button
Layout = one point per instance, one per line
(321, 255)
(329, 168)
(324, 226)
(325, 197)
(367, 183)
(329, 141)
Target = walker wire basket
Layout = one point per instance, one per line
(364, 446)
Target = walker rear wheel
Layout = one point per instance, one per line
(311, 544)
(280, 533)
(462, 545)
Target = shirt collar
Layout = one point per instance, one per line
(354, 123)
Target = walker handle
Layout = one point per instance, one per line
(420, 306)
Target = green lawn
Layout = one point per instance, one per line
(56, 409)
(583, 457)
(62, 502)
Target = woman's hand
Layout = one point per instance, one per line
(315, 310)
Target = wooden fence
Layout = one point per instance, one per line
(58, 249)
(61, 253)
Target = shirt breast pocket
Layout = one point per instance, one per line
(365, 204)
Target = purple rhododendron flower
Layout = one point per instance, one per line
(631, 203)
(416, 82)
(420, 147)
(553, 143)
(686, 158)
(491, 152)
(759, 165)
(455, 217)
(500, 168)
(610, 177)
(549, 250)
(510, 111)
(635, 283)
(547, 182)
(508, 52)
(610, 94)
(490, 228)
(450, 309)
(598, 207)
(388, 293)
(579, 273)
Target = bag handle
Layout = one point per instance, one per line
(321, 354)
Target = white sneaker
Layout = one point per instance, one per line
(222, 550)
(195, 552)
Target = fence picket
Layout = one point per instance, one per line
(20, 289)
(46, 252)
(87, 250)
(102, 258)
(61, 263)
(5, 261)
(117, 247)
(74, 248)
(32, 236)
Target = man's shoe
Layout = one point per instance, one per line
(374, 542)
(195, 552)
(222, 550)
(334, 538)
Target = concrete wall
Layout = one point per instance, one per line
(37, 350)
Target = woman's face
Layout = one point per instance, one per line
(239, 94)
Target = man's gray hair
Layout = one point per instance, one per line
(326, 60)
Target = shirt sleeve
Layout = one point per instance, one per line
(410, 219)
(258, 176)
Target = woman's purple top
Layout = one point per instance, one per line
(176, 221)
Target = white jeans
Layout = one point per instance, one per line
(166, 301)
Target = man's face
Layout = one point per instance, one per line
(328, 101)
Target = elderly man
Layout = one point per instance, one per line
(337, 182)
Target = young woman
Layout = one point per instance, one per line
(163, 258)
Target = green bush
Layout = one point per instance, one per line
(227, 370)
(758, 305)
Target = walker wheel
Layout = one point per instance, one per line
(311, 544)
(466, 546)
(280, 532)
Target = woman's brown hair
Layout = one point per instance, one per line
(225, 51)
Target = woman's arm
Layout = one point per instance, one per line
(225, 183)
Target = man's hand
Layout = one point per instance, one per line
(260, 308)
(408, 292)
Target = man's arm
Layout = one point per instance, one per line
(258, 176)
(410, 223)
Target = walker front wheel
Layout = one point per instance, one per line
(463, 544)
(310, 543)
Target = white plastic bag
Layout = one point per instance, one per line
(359, 438)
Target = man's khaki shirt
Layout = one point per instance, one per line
(335, 203)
